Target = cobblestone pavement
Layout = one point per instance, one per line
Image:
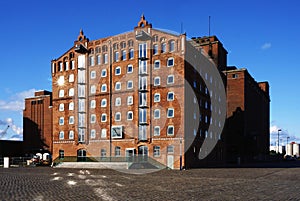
(45, 183)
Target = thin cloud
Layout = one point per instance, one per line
(266, 46)
(284, 136)
(16, 101)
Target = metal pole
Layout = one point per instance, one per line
(278, 141)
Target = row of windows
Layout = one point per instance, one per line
(103, 134)
(118, 101)
(156, 114)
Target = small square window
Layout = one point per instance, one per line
(129, 115)
(156, 114)
(170, 96)
(61, 135)
(103, 73)
(93, 133)
(156, 131)
(170, 149)
(130, 84)
(118, 86)
(103, 88)
(118, 101)
(170, 79)
(156, 97)
(93, 74)
(156, 81)
(118, 116)
(170, 112)
(130, 100)
(61, 121)
(103, 102)
(170, 130)
(118, 70)
(170, 62)
(156, 64)
(103, 117)
(129, 69)
(116, 132)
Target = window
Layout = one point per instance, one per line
(130, 43)
(156, 64)
(163, 47)
(103, 153)
(155, 49)
(81, 91)
(156, 97)
(156, 114)
(130, 84)
(170, 130)
(155, 38)
(235, 76)
(104, 48)
(116, 56)
(142, 133)
(93, 74)
(129, 100)
(170, 149)
(71, 106)
(123, 44)
(115, 46)
(118, 70)
(118, 116)
(93, 133)
(103, 102)
(129, 69)
(142, 67)
(143, 50)
(142, 115)
(156, 151)
(170, 96)
(98, 59)
(103, 117)
(105, 58)
(170, 62)
(93, 104)
(117, 151)
(118, 86)
(61, 93)
(61, 107)
(93, 89)
(170, 79)
(131, 54)
(123, 55)
(142, 99)
(61, 154)
(142, 83)
(103, 133)
(129, 115)
(71, 92)
(61, 121)
(93, 118)
(156, 81)
(71, 78)
(81, 105)
(71, 135)
(116, 132)
(61, 135)
(91, 61)
(170, 112)
(103, 88)
(156, 131)
(71, 120)
(172, 46)
(118, 101)
(103, 73)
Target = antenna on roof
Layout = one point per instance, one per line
(208, 26)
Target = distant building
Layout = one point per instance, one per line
(37, 123)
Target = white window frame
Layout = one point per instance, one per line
(169, 59)
(128, 84)
(169, 93)
(71, 106)
(61, 121)
(155, 129)
(61, 135)
(103, 88)
(118, 101)
(156, 62)
(93, 104)
(131, 53)
(93, 133)
(61, 93)
(103, 73)
(71, 92)
(93, 74)
(170, 76)
(154, 81)
(71, 120)
(156, 114)
(71, 135)
(118, 86)
(114, 134)
(71, 78)
(105, 57)
(93, 118)
(118, 68)
(130, 100)
(103, 133)
(156, 95)
(103, 115)
(155, 49)
(170, 127)
(128, 67)
(61, 107)
(119, 115)
(104, 100)
(129, 112)
(93, 89)
(156, 151)
(168, 110)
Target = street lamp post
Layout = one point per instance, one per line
(278, 141)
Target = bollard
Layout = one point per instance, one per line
(6, 162)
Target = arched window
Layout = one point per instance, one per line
(81, 155)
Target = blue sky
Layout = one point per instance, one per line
(262, 36)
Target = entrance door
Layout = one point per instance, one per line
(143, 153)
(130, 154)
(170, 161)
(81, 155)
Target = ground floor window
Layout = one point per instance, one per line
(81, 155)
(61, 154)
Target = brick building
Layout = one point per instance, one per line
(37, 123)
(135, 94)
